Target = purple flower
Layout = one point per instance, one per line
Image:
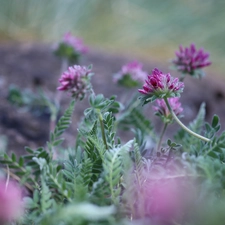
(75, 42)
(189, 60)
(11, 205)
(76, 81)
(159, 85)
(70, 48)
(165, 197)
(131, 74)
(162, 110)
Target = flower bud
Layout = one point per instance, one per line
(163, 112)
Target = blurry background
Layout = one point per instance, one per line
(148, 29)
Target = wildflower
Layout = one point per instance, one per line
(70, 48)
(76, 81)
(166, 199)
(163, 196)
(159, 85)
(191, 61)
(10, 201)
(163, 112)
(131, 74)
(75, 42)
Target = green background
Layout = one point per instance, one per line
(148, 29)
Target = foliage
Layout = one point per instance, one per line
(102, 180)
(37, 103)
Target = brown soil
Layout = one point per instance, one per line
(31, 66)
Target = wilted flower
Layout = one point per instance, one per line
(11, 205)
(76, 80)
(189, 60)
(131, 74)
(159, 85)
(162, 110)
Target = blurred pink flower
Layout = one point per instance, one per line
(11, 206)
(162, 110)
(75, 81)
(165, 201)
(161, 85)
(134, 70)
(189, 59)
(75, 42)
(167, 197)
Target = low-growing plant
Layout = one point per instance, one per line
(101, 179)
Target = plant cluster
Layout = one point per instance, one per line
(101, 180)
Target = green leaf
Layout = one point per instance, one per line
(21, 161)
(29, 150)
(187, 140)
(13, 157)
(215, 121)
(58, 142)
(112, 164)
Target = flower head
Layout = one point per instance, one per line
(159, 85)
(75, 42)
(189, 60)
(75, 80)
(162, 196)
(131, 74)
(166, 200)
(10, 201)
(163, 112)
(70, 48)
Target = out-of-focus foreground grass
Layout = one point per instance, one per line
(140, 28)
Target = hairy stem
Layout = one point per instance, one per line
(161, 136)
(210, 150)
(128, 111)
(182, 125)
(59, 187)
(102, 128)
(134, 105)
(58, 97)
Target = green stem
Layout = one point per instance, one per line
(182, 77)
(210, 150)
(15, 177)
(102, 128)
(7, 180)
(182, 125)
(58, 96)
(60, 188)
(134, 105)
(161, 136)
(129, 110)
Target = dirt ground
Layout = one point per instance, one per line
(30, 66)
